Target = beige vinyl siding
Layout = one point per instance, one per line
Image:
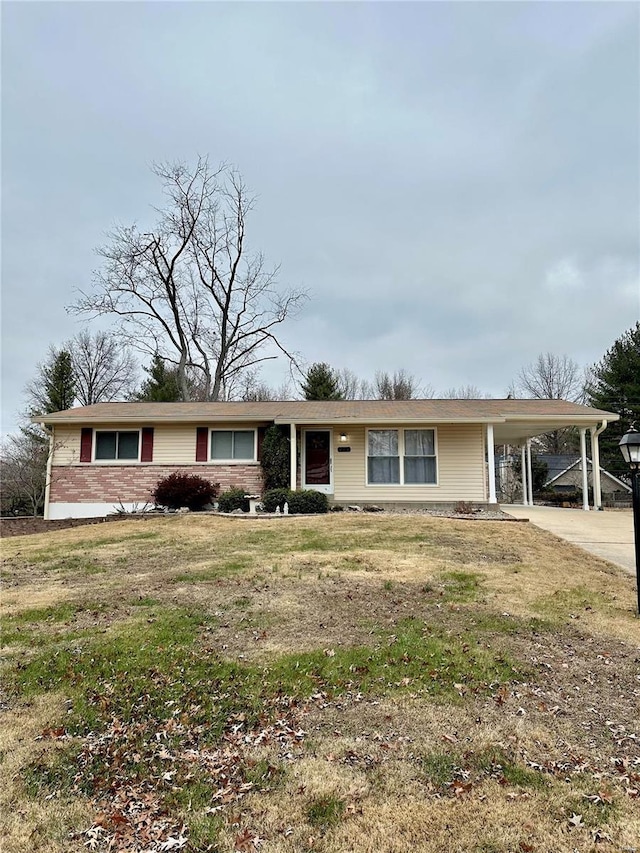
(172, 444)
(460, 461)
(66, 445)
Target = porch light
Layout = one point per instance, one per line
(343, 436)
(630, 448)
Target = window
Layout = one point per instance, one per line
(233, 445)
(117, 445)
(401, 457)
(384, 461)
(419, 456)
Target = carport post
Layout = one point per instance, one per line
(529, 474)
(595, 464)
(491, 464)
(523, 473)
(293, 457)
(585, 473)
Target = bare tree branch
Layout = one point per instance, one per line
(190, 291)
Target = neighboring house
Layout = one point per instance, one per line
(569, 478)
(416, 452)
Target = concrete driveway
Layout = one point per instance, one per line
(605, 534)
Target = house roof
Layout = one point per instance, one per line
(603, 472)
(513, 420)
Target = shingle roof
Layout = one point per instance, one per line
(332, 411)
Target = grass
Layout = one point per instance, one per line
(325, 812)
(340, 683)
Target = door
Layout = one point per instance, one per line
(317, 465)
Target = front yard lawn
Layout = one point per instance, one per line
(340, 683)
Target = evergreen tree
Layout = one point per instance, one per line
(276, 458)
(615, 386)
(321, 383)
(55, 387)
(162, 386)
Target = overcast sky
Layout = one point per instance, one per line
(457, 184)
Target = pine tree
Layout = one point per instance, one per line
(58, 389)
(321, 383)
(162, 386)
(615, 387)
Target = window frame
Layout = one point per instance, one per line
(115, 458)
(401, 457)
(247, 461)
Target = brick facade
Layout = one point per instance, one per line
(134, 483)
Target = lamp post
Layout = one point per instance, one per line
(630, 449)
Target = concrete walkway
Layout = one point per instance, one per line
(607, 534)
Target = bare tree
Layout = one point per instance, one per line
(23, 472)
(255, 390)
(465, 392)
(351, 386)
(551, 377)
(189, 290)
(398, 386)
(103, 369)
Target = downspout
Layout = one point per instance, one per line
(47, 484)
(595, 465)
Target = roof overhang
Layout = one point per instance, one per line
(517, 429)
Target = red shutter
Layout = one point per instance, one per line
(146, 453)
(202, 444)
(86, 441)
(261, 432)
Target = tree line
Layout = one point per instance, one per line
(204, 313)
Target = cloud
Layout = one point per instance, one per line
(456, 184)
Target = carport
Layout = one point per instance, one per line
(538, 417)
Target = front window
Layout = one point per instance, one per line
(401, 457)
(116, 444)
(233, 445)
(384, 460)
(419, 456)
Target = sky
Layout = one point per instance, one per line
(457, 185)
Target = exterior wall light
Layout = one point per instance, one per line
(343, 436)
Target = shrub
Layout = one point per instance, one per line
(274, 498)
(275, 458)
(233, 498)
(558, 498)
(178, 490)
(308, 501)
(301, 501)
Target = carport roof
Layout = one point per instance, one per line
(513, 420)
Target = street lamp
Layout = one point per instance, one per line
(630, 449)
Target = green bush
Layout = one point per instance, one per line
(178, 490)
(301, 501)
(308, 501)
(233, 498)
(274, 498)
(275, 458)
